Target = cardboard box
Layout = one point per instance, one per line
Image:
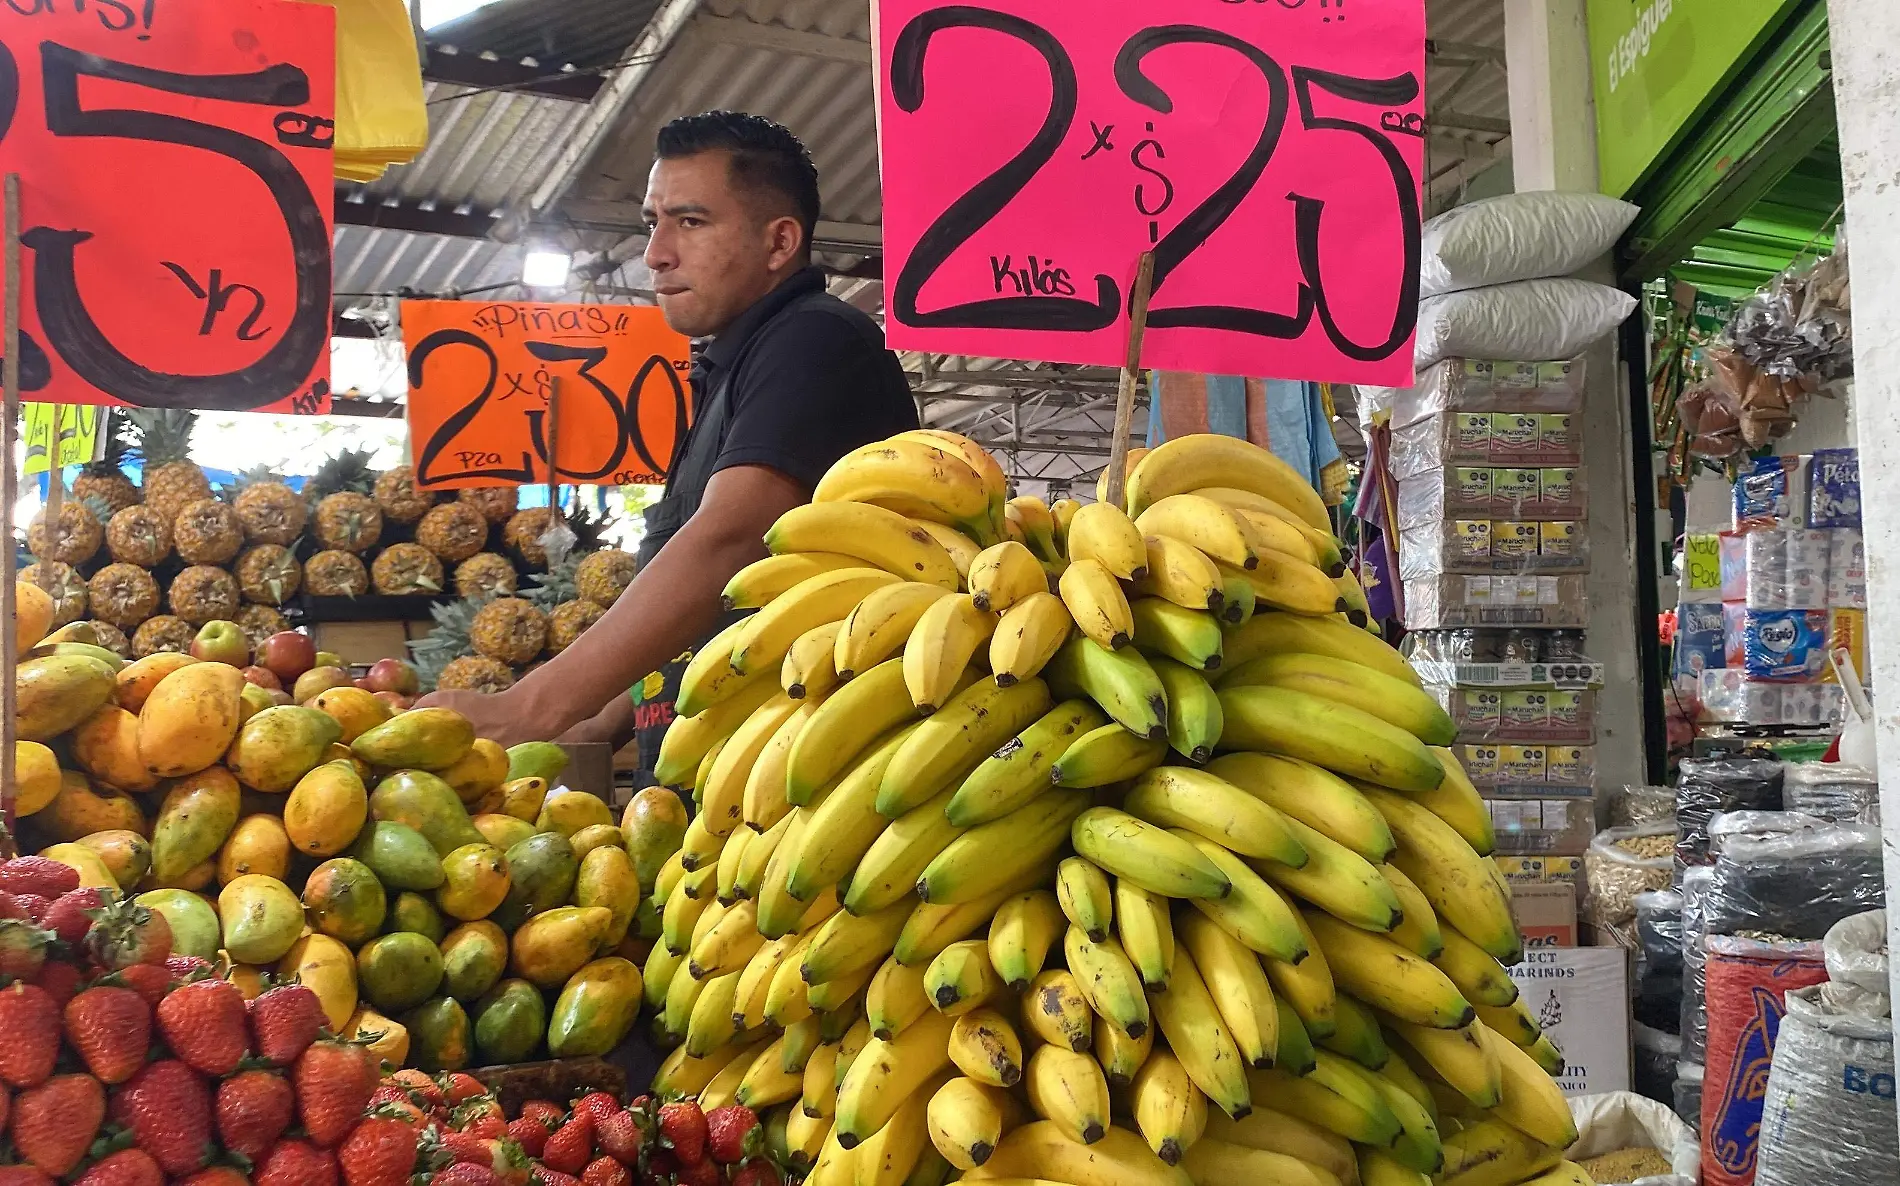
(1581, 996)
(1546, 912)
(363, 643)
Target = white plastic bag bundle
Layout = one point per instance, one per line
(1616, 1120)
(1518, 237)
(1529, 321)
(1856, 953)
(1828, 1113)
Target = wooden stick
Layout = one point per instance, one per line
(1131, 375)
(9, 494)
(55, 488)
(554, 469)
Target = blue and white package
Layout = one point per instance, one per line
(1834, 488)
(1789, 645)
(1699, 644)
(1768, 492)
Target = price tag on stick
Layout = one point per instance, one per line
(1268, 152)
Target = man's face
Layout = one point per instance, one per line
(713, 253)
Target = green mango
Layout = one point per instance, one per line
(510, 1020)
(595, 1010)
(427, 804)
(261, 918)
(474, 955)
(345, 901)
(438, 1035)
(195, 927)
(398, 971)
(280, 745)
(420, 739)
(542, 869)
(414, 912)
(56, 692)
(401, 857)
(536, 759)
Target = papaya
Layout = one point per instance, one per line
(190, 719)
(327, 968)
(197, 813)
(387, 1039)
(439, 1038)
(398, 971)
(92, 871)
(414, 912)
(258, 845)
(36, 775)
(261, 917)
(550, 947)
(653, 825)
(475, 882)
(474, 955)
(595, 836)
(194, 923)
(522, 798)
(33, 612)
(106, 746)
(420, 739)
(502, 831)
(606, 878)
(536, 759)
(401, 857)
(280, 745)
(482, 769)
(126, 854)
(133, 683)
(356, 711)
(541, 871)
(567, 812)
(326, 809)
(80, 809)
(595, 1010)
(426, 803)
(510, 1020)
(53, 693)
(345, 901)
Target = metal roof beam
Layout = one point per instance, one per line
(732, 30)
(484, 73)
(412, 218)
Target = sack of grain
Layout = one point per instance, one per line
(1828, 1113)
(1621, 1137)
(1747, 982)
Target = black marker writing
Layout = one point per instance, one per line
(216, 295)
(1153, 207)
(1102, 143)
(1039, 278)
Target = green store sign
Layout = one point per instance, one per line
(1656, 63)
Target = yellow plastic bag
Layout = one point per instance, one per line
(380, 117)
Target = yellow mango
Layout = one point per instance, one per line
(106, 744)
(92, 871)
(356, 711)
(326, 809)
(126, 855)
(522, 797)
(262, 919)
(595, 836)
(421, 739)
(36, 773)
(502, 831)
(475, 880)
(393, 1044)
(607, 878)
(258, 845)
(190, 718)
(280, 745)
(134, 683)
(653, 825)
(80, 809)
(550, 947)
(56, 692)
(327, 968)
(34, 611)
(196, 816)
(567, 812)
(482, 769)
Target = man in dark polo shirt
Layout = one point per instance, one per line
(786, 379)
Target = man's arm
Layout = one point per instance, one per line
(669, 608)
(615, 725)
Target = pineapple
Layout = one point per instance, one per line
(335, 574)
(112, 638)
(524, 532)
(268, 574)
(75, 540)
(203, 594)
(270, 511)
(163, 633)
(123, 595)
(349, 521)
(454, 531)
(395, 492)
(347, 471)
(405, 569)
(105, 478)
(568, 621)
(66, 587)
(496, 503)
(139, 535)
(259, 622)
(475, 673)
(447, 640)
(172, 481)
(485, 573)
(510, 629)
(604, 575)
(207, 532)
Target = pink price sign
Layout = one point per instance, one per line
(1267, 151)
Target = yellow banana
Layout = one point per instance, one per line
(850, 1045)
(1287, 583)
(1069, 1090)
(1003, 575)
(668, 876)
(1312, 795)
(846, 991)
(1326, 545)
(899, 855)
(682, 913)
(1238, 985)
(880, 624)
(1278, 1132)
(1214, 1162)
(1295, 1051)
(846, 725)
(1146, 933)
(1019, 769)
(1529, 1100)
(1101, 532)
(1097, 603)
(766, 1082)
(1394, 701)
(762, 582)
(1490, 1152)
(984, 1046)
(827, 597)
(1564, 1173)
(1238, 602)
(1343, 739)
(912, 477)
(1181, 573)
(1038, 525)
(902, 1145)
(933, 928)
(1460, 884)
(682, 1076)
(952, 742)
(1356, 1035)
(1305, 985)
(1181, 797)
(1333, 637)
(805, 1134)
(1168, 1108)
(1194, 713)
(1345, 1106)
(1027, 636)
(689, 738)
(779, 911)
(1512, 1021)
(878, 537)
(656, 974)
(1108, 980)
(960, 978)
(968, 1119)
(1418, 930)
(1418, 1145)
(1386, 976)
(726, 875)
(1122, 682)
(1039, 1151)
(1254, 912)
(729, 944)
(1203, 524)
(786, 1001)
(763, 803)
(1105, 755)
(961, 547)
(1056, 1011)
(848, 942)
(722, 797)
(980, 861)
(1026, 928)
(1191, 1023)
(709, 1026)
(894, 999)
(1063, 510)
(1459, 804)
(884, 1074)
(1352, 601)
(682, 993)
(1460, 1057)
(819, 1093)
(1545, 1054)
(995, 484)
(845, 825)
(1164, 629)
(940, 648)
(709, 676)
(1120, 1055)
(1148, 856)
(1209, 459)
(1337, 880)
(1269, 533)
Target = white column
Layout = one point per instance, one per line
(1553, 146)
(1865, 36)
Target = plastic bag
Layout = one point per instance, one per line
(1827, 1116)
(1624, 1120)
(1711, 785)
(380, 116)
(1748, 981)
(1634, 806)
(1525, 322)
(1658, 931)
(1518, 237)
(1856, 951)
(1834, 791)
(1620, 864)
(1695, 958)
(1689, 1076)
(1796, 884)
(1654, 1068)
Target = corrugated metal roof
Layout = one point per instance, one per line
(580, 33)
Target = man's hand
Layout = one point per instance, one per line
(494, 715)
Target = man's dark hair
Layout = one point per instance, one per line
(766, 158)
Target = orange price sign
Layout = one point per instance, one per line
(481, 376)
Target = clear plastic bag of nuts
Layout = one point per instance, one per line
(1622, 863)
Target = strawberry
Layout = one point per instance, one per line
(111, 1028)
(757, 1172)
(284, 1021)
(489, 1126)
(552, 1177)
(699, 1173)
(530, 1133)
(61, 981)
(68, 916)
(464, 1173)
(125, 933)
(203, 1023)
(29, 1034)
(391, 1096)
(605, 1171)
(38, 875)
(295, 1163)
(216, 1175)
(596, 1104)
(12, 907)
(733, 1134)
(683, 1128)
(570, 1145)
(660, 1169)
(254, 1108)
(457, 1087)
(478, 1109)
(54, 1123)
(24, 1175)
(424, 1090)
(127, 1167)
(6, 1107)
(181, 966)
(168, 1108)
(334, 1080)
(33, 905)
(22, 949)
(618, 1135)
(151, 981)
(380, 1151)
(553, 1113)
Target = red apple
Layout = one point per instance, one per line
(329, 659)
(288, 654)
(318, 680)
(264, 678)
(396, 700)
(363, 683)
(392, 675)
(221, 642)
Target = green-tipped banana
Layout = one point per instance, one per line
(1194, 715)
(1121, 682)
(848, 942)
(1418, 1145)
(894, 999)
(1180, 797)
(1026, 928)
(1238, 602)
(1149, 856)
(1292, 634)
(1107, 755)
(1339, 1103)
(1397, 702)
(1356, 1035)
(1306, 985)
(1343, 739)
(842, 828)
(953, 741)
(1254, 913)
(1337, 880)
(1108, 980)
(1188, 636)
(988, 856)
(1460, 1057)
(1458, 803)
(1146, 933)
(1019, 770)
(899, 856)
(1294, 1052)
(1086, 896)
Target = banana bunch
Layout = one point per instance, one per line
(1087, 844)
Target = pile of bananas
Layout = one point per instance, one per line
(1003, 882)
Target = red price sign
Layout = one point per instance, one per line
(1267, 151)
(175, 162)
(481, 377)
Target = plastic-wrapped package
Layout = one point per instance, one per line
(1834, 488)
(1695, 959)
(1729, 695)
(1621, 864)
(1833, 791)
(1524, 492)
(1728, 826)
(1657, 1053)
(1518, 237)
(1855, 949)
(1530, 714)
(1828, 1112)
(1659, 932)
(1453, 601)
(1795, 884)
(1436, 546)
(1478, 385)
(1633, 806)
(1453, 439)
(1747, 982)
(1528, 319)
(1709, 785)
(1689, 1077)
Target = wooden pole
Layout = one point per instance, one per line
(1131, 375)
(55, 490)
(554, 469)
(9, 494)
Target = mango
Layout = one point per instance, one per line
(134, 683)
(93, 873)
(595, 1010)
(80, 810)
(412, 911)
(194, 923)
(253, 700)
(345, 901)
(398, 971)
(256, 846)
(421, 739)
(33, 612)
(522, 798)
(607, 879)
(653, 825)
(327, 968)
(127, 855)
(595, 836)
(439, 1038)
(190, 719)
(249, 979)
(261, 917)
(280, 745)
(326, 810)
(475, 882)
(536, 759)
(401, 857)
(474, 955)
(355, 710)
(90, 650)
(550, 947)
(36, 773)
(425, 803)
(567, 812)
(194, 818)
(502, 831)
(482, 769)
(541, 872)
(388, 1040)
(195, 879)
(510, 1022)
(106, 746)
(56, 692)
